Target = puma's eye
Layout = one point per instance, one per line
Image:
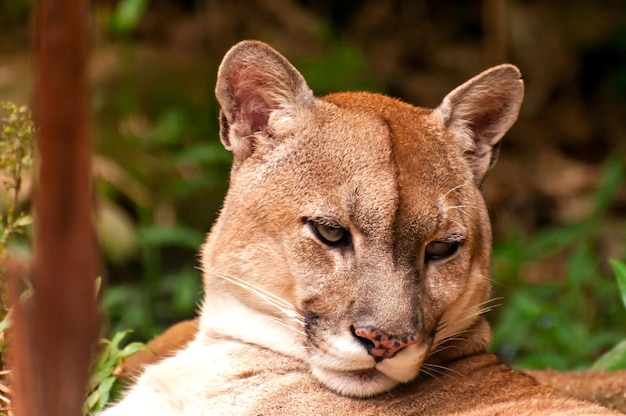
(331, 235)
(439, 250)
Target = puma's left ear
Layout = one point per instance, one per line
(479, 112)
(259, 92)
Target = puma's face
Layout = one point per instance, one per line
(386, 247)
(354, 220)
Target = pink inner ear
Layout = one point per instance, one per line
(489, 124)
(253, 110)
(252, 107)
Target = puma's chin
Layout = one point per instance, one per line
(384, 376)
(359, 383)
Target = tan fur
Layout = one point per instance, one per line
(277, 327)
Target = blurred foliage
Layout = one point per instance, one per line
(16, 160)
(16, 153)
(562, 321)
(341, 67)
(160, 184)
(126, 16)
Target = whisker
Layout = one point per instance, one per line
(442, 370)
(441, 347)
(458, 224)
(445, 343)
(285, 324)
(457, 336)
(282, 305)
(428, 373)
(456, 207)
(435, 375)
(443, 339)
(268, 297)
(444, 324)
(246, 285)
(454, 189)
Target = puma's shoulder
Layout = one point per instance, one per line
(249, 380)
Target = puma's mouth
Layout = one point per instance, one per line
(364, 375)
(405, 366)
(382, 376)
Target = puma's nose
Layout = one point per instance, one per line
(380, 344)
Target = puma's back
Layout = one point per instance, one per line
(348, 270)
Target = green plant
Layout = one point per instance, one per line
(16, 149)
(104, 386)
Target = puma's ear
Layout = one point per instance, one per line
(259, 91)
(480, 111)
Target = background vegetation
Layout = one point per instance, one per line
(557, 195)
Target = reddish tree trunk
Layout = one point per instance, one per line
(55, 330)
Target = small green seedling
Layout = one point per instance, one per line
(615, 358)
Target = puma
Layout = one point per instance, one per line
(350, 265)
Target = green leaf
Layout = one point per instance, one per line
(104, 391)
(109, 357)
(92, 400)
(131, 348)
(614, 359)
(115, 342)
(619, 269)
(23, 221)
(127, 15)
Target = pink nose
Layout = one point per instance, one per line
(379, 344)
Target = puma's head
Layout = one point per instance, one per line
(354, 235)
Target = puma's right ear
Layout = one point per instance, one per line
(480, 111)
(258, 90)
